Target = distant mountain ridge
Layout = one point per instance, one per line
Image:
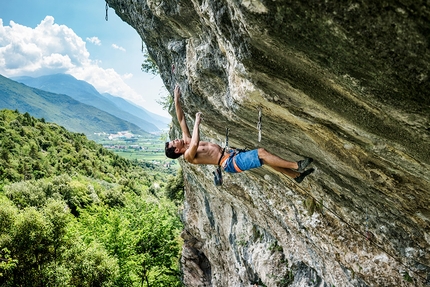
(87, 94)
(61, 109)
(159, 121)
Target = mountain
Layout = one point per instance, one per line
(61, 109)
(84, 93)
(159, 121)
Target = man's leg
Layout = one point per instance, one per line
(289, 172)
(284, 166)
(275, 161)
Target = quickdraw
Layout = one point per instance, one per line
(259, 124)
(218, 172)
(107, 8)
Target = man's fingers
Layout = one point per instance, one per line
(199, 116)
(177, 92)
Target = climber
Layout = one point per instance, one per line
(201, 152)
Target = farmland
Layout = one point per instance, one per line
(148, 149)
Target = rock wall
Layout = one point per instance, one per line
(344, 82)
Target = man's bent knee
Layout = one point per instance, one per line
(262, 153)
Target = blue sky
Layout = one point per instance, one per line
(73, 37)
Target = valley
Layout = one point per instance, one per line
(148, 149)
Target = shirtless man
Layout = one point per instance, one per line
(200, 152)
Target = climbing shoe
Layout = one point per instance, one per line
(304, 174)
(304, 163)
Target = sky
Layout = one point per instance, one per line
(42, 37)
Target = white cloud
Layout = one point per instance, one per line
(96, 41)
(127, 76)
(51, 48)
(115, 46)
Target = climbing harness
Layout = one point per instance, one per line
(218, 172)
(259, 124)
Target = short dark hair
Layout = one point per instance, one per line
(170, 152)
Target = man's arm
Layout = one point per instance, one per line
(180, 113)
(191, 152)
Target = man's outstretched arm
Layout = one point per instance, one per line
(180, 113)
(191, 152)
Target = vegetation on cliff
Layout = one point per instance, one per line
(74, 214)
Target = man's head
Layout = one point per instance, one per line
(171, 150)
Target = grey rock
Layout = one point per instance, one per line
(346, 83)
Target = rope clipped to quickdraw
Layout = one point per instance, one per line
(218, 173)
(107, 8)
(259, 124)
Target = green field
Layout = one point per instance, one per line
(149, 149)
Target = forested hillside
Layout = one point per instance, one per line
(75, 214)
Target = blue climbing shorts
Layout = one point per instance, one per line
(240, 161)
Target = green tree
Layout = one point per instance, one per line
(74, 214)
(149, 65)
(90, 265)
(157, 243)
(174, 188)
(142, 236)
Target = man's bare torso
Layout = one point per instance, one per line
(207, 153)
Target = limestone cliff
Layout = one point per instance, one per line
(344, 82)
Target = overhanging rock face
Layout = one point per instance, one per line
(344, 82)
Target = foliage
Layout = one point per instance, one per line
(75, 214)
(143, 236)
(175, 188)
(31, 149)
(275, 247)
(149, 65)
(407, 277)
(165, 102)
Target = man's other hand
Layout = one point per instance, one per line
(198, 117)
(177, 92)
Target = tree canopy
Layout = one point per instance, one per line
(75, 214)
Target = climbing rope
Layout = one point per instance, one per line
(367, 235)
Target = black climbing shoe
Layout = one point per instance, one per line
(304, 174)
(304, 163)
